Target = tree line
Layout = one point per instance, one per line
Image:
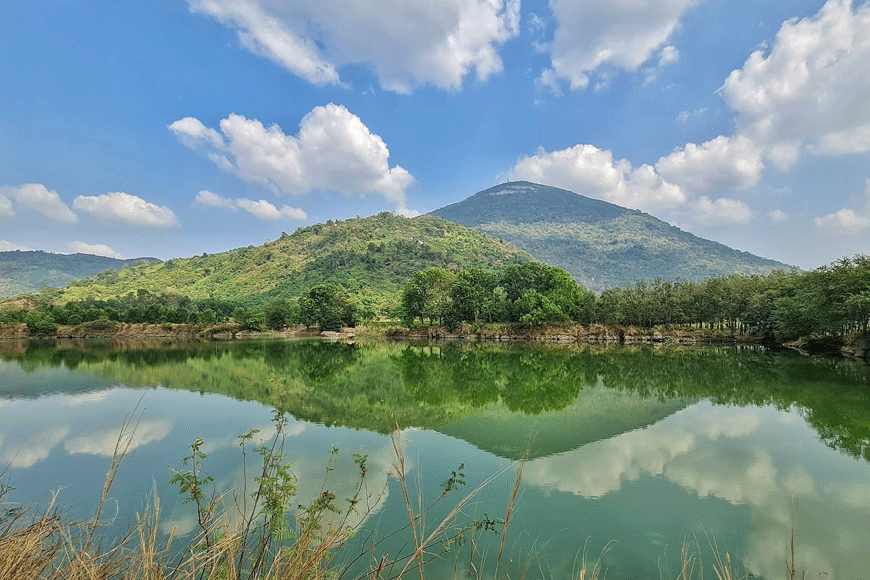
(833, 300)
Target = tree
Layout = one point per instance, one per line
(328, 307)
(40, 323)
(472, 296)
(427, 295)
(562, 293)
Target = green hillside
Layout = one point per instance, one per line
(371, 257)
(602, 245)
(25, 272)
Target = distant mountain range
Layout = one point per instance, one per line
(27, 271)
(601, 244)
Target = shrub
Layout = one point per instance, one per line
(40, 323)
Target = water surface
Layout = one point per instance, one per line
(640, 445)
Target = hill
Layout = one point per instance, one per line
(601, 244)
(28, 271)
(371, 257)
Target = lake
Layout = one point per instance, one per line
(630, 449)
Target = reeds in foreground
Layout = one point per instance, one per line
(253, 534)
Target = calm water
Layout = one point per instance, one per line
(643, 446)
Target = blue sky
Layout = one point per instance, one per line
(169, 128)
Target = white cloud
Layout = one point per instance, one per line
(686, 115)
(592, 35)
(38, 198)
(843, 222)
(206, 197)
(408, 43)
(123, 208)
(669, 55)
(334, 150)
(723, 163)
(847, 221)
(34, 448)
(261, 209)
(720, 212)
(5, 207)
(593, 172)
(191, 132)
(777, 216)
(810, 93)
(104, 442)
(266, 211)
(6, 246)
(96, 249)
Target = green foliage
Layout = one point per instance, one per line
(40, 323)
(190, 484)
(12, 314)
(530, 294)
(327, 307)
(279, 313)
(276, 484)
(782, 306)
(24, 272)
(427, 295)
(370, 257)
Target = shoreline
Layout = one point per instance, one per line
(566, 334)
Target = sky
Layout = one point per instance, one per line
(169, 128)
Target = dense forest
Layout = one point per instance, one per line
(369, 257)
(832, 301)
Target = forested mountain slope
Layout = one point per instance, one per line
(371, 257)
(600, 244)
(28, 271)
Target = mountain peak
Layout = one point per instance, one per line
(601, 244)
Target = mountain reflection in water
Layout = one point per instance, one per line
(638, 444)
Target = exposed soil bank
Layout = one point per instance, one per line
(595, 333)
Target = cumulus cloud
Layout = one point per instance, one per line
(843, 222)
(5, 207)
(684, 116)
(669, 55)
(810, 92)
(594, 37)
(334, 150)
(261, 209)
(675, 183)
(34, 449)
(206, 197)
(103, 442)
(96, 249)
(6, 246)
(407, 43)
(594, 172)
(266, 211)
(722, 211)
(123, 208)
(723, 163)
(777, 216)
(847, 221)
(37, 197)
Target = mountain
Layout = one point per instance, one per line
(601, 244)
(28, 271)
(371, 257)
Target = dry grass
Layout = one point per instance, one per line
(237, 544)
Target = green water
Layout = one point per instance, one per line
(642, 446)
